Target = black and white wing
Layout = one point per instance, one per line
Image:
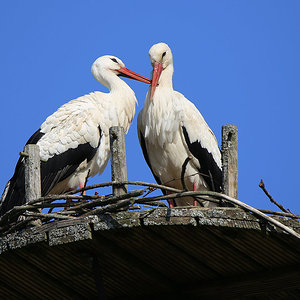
(202, 144)
(68, 140)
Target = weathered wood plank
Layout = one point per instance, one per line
(118, 159)
(67, 231)
(120, 220)
(25, 238)
(69, 234)
(32, 176)
(230, 160)
(32, 172)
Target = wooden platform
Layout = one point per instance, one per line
(195, 253)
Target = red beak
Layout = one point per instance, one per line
(130, 74)
(157, 69)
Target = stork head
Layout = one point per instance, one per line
(106, 66)
(161, 57)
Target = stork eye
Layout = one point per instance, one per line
(163, 54)
(114, 60)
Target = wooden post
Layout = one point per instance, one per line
(118, 159)
(230, 160)
(32, 175)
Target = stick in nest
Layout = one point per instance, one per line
(262, 186)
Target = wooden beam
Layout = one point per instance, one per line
(32, 175)
(118, 159)
(260, 283)
(230, 160)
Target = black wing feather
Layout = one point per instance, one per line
(61, 166)
(208, 166)
(53, 171)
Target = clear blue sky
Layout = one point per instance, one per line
(238, 61)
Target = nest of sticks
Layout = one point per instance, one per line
(75, 204)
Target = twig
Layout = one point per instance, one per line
(278, 213)
(15, 211)
(197, 194)
(15, 226)
(47, 205)
(32, 217)
(130, 182)
(136, 207)
(110, 207)
(257, 212)
(64, 197)
(154, 203)
(52, 215)
(262, 186)
(109, 200)
(187, 176)
(150, 190)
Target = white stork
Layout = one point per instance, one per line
(74, 141)
(179, 147)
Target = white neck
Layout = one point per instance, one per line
(121, 98)
(166, 76)
(112, 81)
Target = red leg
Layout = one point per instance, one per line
(195, 189)
(83, 193)
(68, 201)
(81, 185)
(171, 201)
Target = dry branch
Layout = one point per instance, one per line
(51, 215)
(15, 226)
(130, 182)
(111, 207)
(107, 201)
(262, 186)
(155, 203)
(279, 213)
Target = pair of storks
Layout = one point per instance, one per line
(74, 141)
